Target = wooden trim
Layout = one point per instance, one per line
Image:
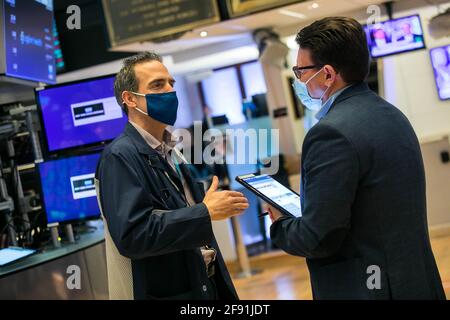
(441, 230)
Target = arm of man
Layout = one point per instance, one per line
(137, 229)
(331, 174)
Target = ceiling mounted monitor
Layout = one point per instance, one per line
(395, 36)
(27, 41)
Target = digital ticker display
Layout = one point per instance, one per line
(29, 40)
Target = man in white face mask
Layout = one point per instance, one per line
(363, 227)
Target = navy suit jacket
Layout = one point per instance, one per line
(364, 226)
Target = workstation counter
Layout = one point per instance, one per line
(73, 271)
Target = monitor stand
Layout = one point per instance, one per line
(69, 233)
(55, 236)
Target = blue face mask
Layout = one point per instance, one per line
(301, 90)
(162, 107)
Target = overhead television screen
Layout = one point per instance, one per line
(395, 36)
(440, 60)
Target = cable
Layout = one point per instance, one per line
(8, 224)
(24, 232)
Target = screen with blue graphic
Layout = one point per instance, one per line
(395, 36)
(79, 114)
(28, 38)
(68, 188)
(440, 59)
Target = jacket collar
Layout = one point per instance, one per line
(169, 141)
(353, 90)
(137, 139)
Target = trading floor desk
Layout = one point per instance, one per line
(51, 273)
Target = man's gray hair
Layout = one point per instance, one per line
(126, 78)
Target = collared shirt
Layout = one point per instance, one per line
(165, 149)
(327, 105)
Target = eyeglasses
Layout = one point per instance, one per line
(298, 71)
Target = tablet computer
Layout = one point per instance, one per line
(274, 193)
(13, 254)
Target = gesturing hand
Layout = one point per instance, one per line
(224, 204)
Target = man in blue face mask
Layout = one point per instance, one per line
(316, 86)
(324, 83)
(158, 233)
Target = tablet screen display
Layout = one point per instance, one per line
(278, 193)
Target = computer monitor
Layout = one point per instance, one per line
(26, 40)
(68, 188)
(440, 60)
(395, 36)
(79, 114)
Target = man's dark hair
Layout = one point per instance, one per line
(126, 78)
(340, 42)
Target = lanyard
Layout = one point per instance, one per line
(175, 162)
(178, 171)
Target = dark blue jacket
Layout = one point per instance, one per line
(363, 205)
(151, 224)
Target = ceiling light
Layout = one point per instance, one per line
(203, 34)
(315, 5)
(292, 14)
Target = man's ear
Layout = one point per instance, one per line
(129, 99)
(330, 74)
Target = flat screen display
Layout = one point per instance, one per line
(80, 114)
(440, 60)
(28, 38)
(274, 192)
(68, 188)
(12, 254)
(395, 36)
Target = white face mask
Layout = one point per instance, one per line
(301, 90)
